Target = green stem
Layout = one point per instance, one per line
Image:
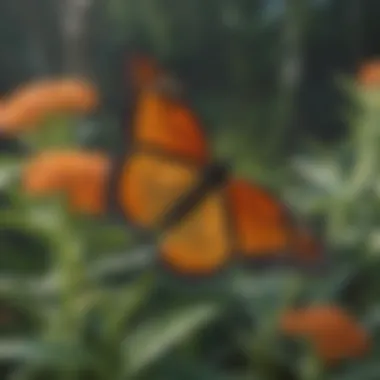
(311, 368)
(365, 141)
(68, 324)
(266, 338)
(290, 75)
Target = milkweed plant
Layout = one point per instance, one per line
(80, 298)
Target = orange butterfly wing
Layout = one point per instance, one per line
(160, 119)
(168, 150)
(169, 126)
(200, 244)
(143, 71)
(240, 218)
(264, 228)
(149, 184)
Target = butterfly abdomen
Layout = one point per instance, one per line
(214, 177)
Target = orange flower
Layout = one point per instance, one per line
(30, 104)
(369, 74)
(334, 334)
(81, 176)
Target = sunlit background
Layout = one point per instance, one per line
(287, 95)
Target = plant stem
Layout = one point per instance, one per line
(365, 141)
(290, 75)
(265, 339)
(71, 272)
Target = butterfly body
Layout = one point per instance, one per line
(214, 177)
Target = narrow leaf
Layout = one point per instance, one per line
(155, 338)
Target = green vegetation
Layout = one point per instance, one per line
(82, 299)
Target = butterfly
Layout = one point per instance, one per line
(167, 183)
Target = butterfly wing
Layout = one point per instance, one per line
(161, 120)
(150, 184)
(167, 152)
(142, 71)
(200, 243)
(167, 125)
(264, 229)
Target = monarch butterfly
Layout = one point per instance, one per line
(166, 182)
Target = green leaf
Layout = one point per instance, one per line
(56, 131)
(264, 292)
(327, 289)
(49, 285)
(9, 172)
(324, 174)
(125, 302)
(124, 263)
(187, 368)
(369, 371)
(155, 338)
(42, 353)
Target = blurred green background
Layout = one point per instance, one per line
(273, 81)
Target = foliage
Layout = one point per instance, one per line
(82, 299)
(91, 314)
